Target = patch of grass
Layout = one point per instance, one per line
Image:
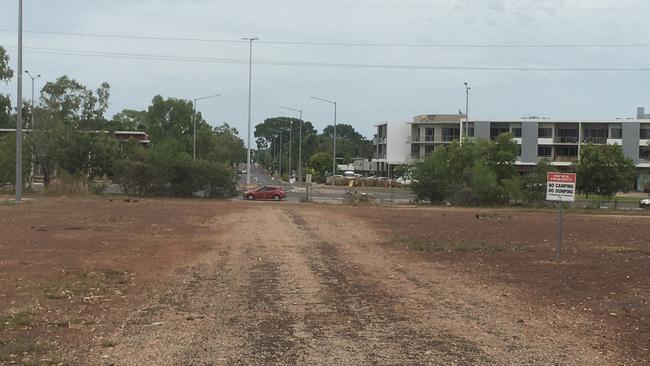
(21, 319)
(8, 203)
(108, 343)
(459, 247)
(17, 348)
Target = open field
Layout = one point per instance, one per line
(97, 281)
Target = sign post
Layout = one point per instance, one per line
(560, 187)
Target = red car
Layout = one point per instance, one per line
(265, 193)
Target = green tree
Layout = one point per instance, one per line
(6, 73)
(75, 104)
(534, 183)
(171, 118)
(128, 120)
(8, 159)
(603, 170)
(432, 178)
(321, 162)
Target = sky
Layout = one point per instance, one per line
(381, 60)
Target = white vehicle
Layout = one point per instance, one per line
(645, 203)
(404, 180)
(348, 174)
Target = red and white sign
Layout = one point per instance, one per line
(561, 187)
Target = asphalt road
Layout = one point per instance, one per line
(322, 193)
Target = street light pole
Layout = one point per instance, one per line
(194, 121)
(299, 141)
(250, 87)
(19, 112)
(334, 137)
(33, 79)
(467, 89)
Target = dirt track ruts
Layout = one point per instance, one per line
(287, 286)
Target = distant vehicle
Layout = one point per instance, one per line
(239, 171)
(265, 193)
(404, 180)
(645, 203)
(348, 174)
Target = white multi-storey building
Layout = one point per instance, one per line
(557, 141)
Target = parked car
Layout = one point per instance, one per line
(265, 193)
(645, 203)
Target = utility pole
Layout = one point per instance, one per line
(194, 121)
(334, 137)
(467, 89)
(250, 87)
(33, 105)
(19, 112)
(299, 141)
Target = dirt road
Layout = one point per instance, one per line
(289, 286)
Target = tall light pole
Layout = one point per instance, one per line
(467, 89)
(299, 141)
(250, 86)
(334, 137)
(19, 107)
(33, 105)
(194, 121)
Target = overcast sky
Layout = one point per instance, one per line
(365, 95)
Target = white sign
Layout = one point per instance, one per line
(308, 178)
(561, 187)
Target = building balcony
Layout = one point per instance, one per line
(565, 158)
(379, 156)
(450, 138)
(566, 140)
(378, 140)
(594, 140)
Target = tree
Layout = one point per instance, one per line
(8, 159)
(6, 73)
(78, 106)
(603, 170)
(480, 172)
(534, 183)
(431, 178)
(128, 120)
(171, 118)
(46, 142)
(321, 163)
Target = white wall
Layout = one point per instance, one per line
(397, 147)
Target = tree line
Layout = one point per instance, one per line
(484, 172)
(70, 135)
(278, 146)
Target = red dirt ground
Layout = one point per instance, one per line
(75, 273)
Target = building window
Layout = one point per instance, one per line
(644, 153)
(645, 134)
(516, 131)
(495, 132)
(470, 131)
(545, 133)
(450, 134)
(595, 136)
(429, 134)
(428, 149)
(544, 151)
(566, 150)
(617, 133)
(567, 135)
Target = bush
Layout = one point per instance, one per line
(179, 177)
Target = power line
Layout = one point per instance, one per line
(423, 6)
(154, 57)
(337, 44)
